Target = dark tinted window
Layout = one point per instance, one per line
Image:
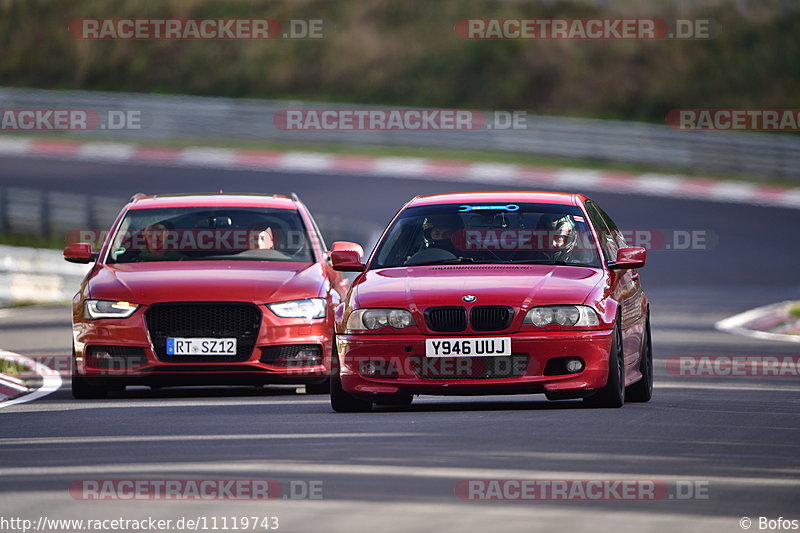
(488, 233)
(210, 233)
(600, 221)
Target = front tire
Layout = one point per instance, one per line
(613, 394)
(642, 390)
(402, 399)
(341, 401)
(83, 389)
(323, 387)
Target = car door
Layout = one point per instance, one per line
(626, 288)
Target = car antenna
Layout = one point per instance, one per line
(295, 197)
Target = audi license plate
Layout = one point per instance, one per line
(200, 346)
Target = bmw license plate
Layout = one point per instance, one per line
(469, 347)
(200, 346)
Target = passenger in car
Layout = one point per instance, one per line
(262, 240)
(157, 239)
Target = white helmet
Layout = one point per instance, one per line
(564, 235)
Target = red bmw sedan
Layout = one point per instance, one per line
(494, 293)
(215, 289)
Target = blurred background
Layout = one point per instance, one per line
(406, 53)
(596, 105)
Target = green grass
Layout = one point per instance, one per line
(31, 241)
(31, 303)
(794, 310)
(13, 368)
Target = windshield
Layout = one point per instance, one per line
(210, 233)
(488, 233)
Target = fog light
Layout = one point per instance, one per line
(99, 359)
(292, 355)
(574, 366)
(369, 368)
(304, 358)
(377, 368)
(300, 359)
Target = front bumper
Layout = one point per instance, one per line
(133, 359)
(403, 367)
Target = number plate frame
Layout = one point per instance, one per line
(201, 346)
(468, 347)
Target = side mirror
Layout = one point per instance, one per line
(79, 252)
(633, 257)
(346, 257)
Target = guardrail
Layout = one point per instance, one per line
(41, 275)
(212, 118)
(25, 211)
(37, 275)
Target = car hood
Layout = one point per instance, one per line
(519, 286)
(239, 281)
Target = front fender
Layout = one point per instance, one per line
(338, 318)
(602, 301)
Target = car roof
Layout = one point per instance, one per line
(537, 197)
(276, 201)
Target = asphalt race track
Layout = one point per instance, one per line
(734, 441)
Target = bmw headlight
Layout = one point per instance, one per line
(93, 309)
(367, 319)
(308, 308)
(563, 315)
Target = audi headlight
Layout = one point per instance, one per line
(93, 309)
(366, 319)
(563, 315)
(308, 308)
